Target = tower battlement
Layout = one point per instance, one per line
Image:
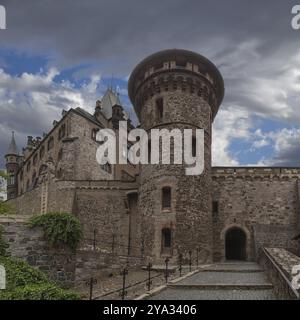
(176, 69)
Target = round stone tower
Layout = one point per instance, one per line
(176, 89)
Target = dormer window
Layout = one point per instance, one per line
(35, 159)
(62, 131)
(28, 166)
(50, 143)
(42, 152)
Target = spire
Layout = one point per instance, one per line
(109, 100)
(13, 149)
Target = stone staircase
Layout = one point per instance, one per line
(223, 281)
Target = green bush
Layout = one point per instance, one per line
(19, 273)
(59, 228)
(6, 208)
(26, 283)
(38, 292)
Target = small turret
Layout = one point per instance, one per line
(12, 158)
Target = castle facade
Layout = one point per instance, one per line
(157, 211)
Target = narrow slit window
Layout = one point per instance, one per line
(160, 108)
(166, 198)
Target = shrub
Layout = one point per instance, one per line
(26, 283)
(59, 228)
(38, 292)
(6, 208)
(19, 273)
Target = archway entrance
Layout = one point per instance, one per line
(235, 244)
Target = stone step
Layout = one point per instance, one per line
(223, 286)
(196, 294)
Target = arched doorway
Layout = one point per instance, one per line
(235, 244)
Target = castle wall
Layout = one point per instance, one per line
(263, 202)
(106, 210)
(29, 245)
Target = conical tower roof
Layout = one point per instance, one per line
(12, 149)
(109, 99)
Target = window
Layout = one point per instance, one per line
(28, 166)
(62, 131)
(60, 154)
(166, 240)
(42, 152)
(106, 167)
(11, 179)
(149, 151)
(215, 210)
(94, 134)
(33, 178)
(50, 143)
(27, 185)
(194, 146)
(59, 173)
(160, 109)
(166, 198)
(21, 175)
(35, 159)
(215, 206)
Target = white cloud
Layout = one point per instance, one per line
(30, 102)
(230, 123)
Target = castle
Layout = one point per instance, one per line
(156, 211)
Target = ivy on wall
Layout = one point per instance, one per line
(60, 228)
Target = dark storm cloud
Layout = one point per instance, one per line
(252, 43)
(117, 33)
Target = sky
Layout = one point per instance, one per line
(56, 55)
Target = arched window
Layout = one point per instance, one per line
(166, 197)
(59, 173)
(50, 143)
(166, 240)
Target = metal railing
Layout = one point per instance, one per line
(191, 264)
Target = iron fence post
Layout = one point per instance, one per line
(167, 271)
(91, 282)
(94, 240)
(124, 292)
(149, 276)
(180, 264)
(190, 262)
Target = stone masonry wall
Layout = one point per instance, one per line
(29, 245)
(248, 197)
(279, 264)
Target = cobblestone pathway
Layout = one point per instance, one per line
(224, 281)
